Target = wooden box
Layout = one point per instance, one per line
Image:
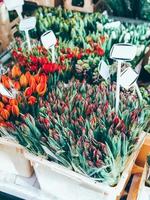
(88, 7)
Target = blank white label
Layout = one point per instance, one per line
(128, 78)
(125, 52)
(27, 24)
(48, 39)
(104, 70)
(12, 4)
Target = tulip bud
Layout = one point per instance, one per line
(5, 114)
(15, 72)
(15, 110)
(23, 81)
(32, 100)
(28, 92)
(17, 85)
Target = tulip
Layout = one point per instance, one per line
(23, 81)
(1, 119)
(5, 100)
(13, 102)
(5, 114)
(41, 88)
(28, 92)
(32, 100)
(28, 76)
(1, 105)
(32, 83)
(6, 81)
(15, 72)
(15, 110)
(17, 85)
(8, 107)
(37, 78)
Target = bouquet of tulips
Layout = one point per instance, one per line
(73, 28)
(78, 125)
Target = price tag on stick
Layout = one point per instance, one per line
(121, 53)
(15, 5)
(104, 70)
(49, 41)
(26, 25)
(128, 78)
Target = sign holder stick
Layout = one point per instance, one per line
(118, 85)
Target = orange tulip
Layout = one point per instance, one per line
(8, 107)
(13, 102)
(1, 105)
(17, 85)
(43, 78)
(41, 89)
(5, 114)
(15, 110)
(32, 83)
(32, 100)
(23, 81)
(1, 119)
(5, 99)
(37, 78)
(6, 81)
(15, 72)
(28, 75)
(28, 92)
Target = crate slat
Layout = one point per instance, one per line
(88, 7)
(47, 3)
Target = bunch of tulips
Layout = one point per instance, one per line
(78, 125)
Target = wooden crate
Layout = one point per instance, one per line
(47, 3)
(76, 186)
(144, 191)
(88, 7)
(144, 152)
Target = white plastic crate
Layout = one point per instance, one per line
(12, 159)
(66, 184)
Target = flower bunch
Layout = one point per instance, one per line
(78, 124)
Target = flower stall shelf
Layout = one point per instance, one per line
(83, 6)
(144, 188)
(47, 3)
(72, 185)
(144, 152)
(12, 158)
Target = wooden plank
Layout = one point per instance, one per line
(133, 192)
(88, 7)
(47, 3)
(144, 152)
(137, 169)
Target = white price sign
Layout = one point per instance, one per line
(27, 24)
(123, 52)
(128, 78)
(12, 4)
(104, 70)
(48, 39)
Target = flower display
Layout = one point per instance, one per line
(65, 106)
(78, 124)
